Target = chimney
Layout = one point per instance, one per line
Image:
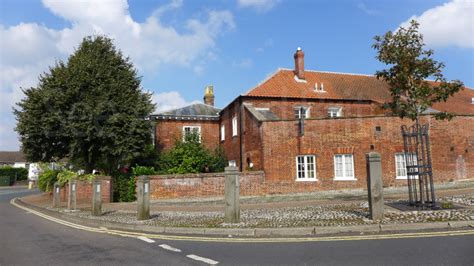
(209, 95)
(299, 63)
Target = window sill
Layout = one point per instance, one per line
(404, 178)
(306, 180)
(345, 179)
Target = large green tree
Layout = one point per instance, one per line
(90, 109)
(410, 65)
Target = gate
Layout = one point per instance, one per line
(418, 164)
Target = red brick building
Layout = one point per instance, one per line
(343, 120)
(201, 118)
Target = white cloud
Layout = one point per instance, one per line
(450, 24)
(367, 10)
(28, 49)
(258, 5)
(244, 63)
(169, 100)
(267, 44)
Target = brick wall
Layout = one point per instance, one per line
(212, 185)
(452, 146)
(252, 142)
(251, 148)
(231, 144)
(202, 185)
(168, 131)
(84, 190)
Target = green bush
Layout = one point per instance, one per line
(131, 192)
(47, 179)
(190, 156)
(143, 170)
(65, 176)
(15, 173)
(123, 186)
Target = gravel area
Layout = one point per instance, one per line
(355, 213)
(467, 200)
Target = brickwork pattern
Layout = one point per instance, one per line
(84, 190)
(202, 185)
(452, 147)
(168, 131)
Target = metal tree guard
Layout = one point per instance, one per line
(418, 164)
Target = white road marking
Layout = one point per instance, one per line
(170, 248)
(146, 239)
(205, 260)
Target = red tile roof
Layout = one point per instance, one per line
(343, 86)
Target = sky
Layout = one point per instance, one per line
(181, 46)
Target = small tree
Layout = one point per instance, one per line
(410, 66)
(90, 109)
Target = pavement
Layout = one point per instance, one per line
(41, 203)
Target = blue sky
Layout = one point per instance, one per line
(180, 47)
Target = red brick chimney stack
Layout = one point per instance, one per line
(299, 63)
(209, 95)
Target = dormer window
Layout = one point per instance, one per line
(319, 87)
(301, 112)
(334, 112)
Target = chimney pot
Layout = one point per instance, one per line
(299, 63)
(209, 95)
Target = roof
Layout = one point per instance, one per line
(197, 111)
(261, 114)
(12, 157)
(459, 103)
(344, 86)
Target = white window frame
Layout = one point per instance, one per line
(191, 130)
(234, 126)
(345, 176)
(222, 132)
(297, 112)
(307, 162)
(334, 112)
(404, 164)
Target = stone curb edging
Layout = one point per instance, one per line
(251, 232)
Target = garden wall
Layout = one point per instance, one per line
(84, 190)
(212, 185)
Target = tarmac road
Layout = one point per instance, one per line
(27, 239)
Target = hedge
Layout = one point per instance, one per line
(14, 172)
